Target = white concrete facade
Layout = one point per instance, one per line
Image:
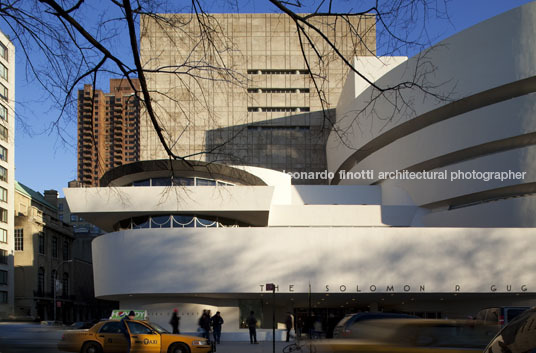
(485, 124)
(407, 245)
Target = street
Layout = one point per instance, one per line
(32, 337)
(28, 337)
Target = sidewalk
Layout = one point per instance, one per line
(246, 347)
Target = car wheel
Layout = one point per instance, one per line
(91, 347)
(179, 348)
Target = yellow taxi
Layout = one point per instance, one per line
(108, 337)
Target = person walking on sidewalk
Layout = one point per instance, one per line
(251, 321)
(174, 322)
(216, 321)
(288, 324)
(204, 325)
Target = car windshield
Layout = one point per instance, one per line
(157, 328)
(518, 336)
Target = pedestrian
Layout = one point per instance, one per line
(124, 328)
(298, 326)
(216, 321)
(317, 328)
(175, 320)
(251, 321)
(288, 324)
(204, 325)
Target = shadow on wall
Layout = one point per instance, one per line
(295, 143)
(237, 260)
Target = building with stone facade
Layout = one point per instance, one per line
(43, 255)
(50, 256)
(260, 106)
(7, 174)
(108, 129)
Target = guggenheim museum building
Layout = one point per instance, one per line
(429, 207)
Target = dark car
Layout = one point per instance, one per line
(410, 336)
(345, 327)
(519, 336)
(500, 316)
(81, 325)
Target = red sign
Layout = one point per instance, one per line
(270, 286)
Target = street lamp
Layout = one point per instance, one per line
(56, 284)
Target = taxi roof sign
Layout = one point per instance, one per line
(121, 313)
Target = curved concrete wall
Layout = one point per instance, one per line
(494, 53)
(424, 192)
(514, 212)
(486, 124)
(239, 260)
(505, 120)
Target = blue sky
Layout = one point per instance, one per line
(46, 160)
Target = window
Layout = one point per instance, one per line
(41, 240)
(139, 329)
(278, 90)
(65, 284)
(111, 327)
(3, 92)
(3, 133)
(3, 71)
(3, 256)
(3, 174)
(3, 112)
(3, 153)
(60, 206)
(161, 181)
(41, 281)
(3, 235)
(181, 181)
(3, 215)
(278, 72)
(205, 182)
(55, 247)
(3, 297)
(19, 239)
(3, 194)
(278, 109)
(74, 218)
(146, 182)
(65, 250)
(160, 222)
(3, 51)
(3, 277)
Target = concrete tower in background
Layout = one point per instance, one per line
(244, 92)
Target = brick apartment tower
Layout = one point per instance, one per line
(108, 134)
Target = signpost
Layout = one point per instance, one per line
(58, 286)
(271, 286)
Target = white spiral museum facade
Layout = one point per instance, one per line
(215, 235)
